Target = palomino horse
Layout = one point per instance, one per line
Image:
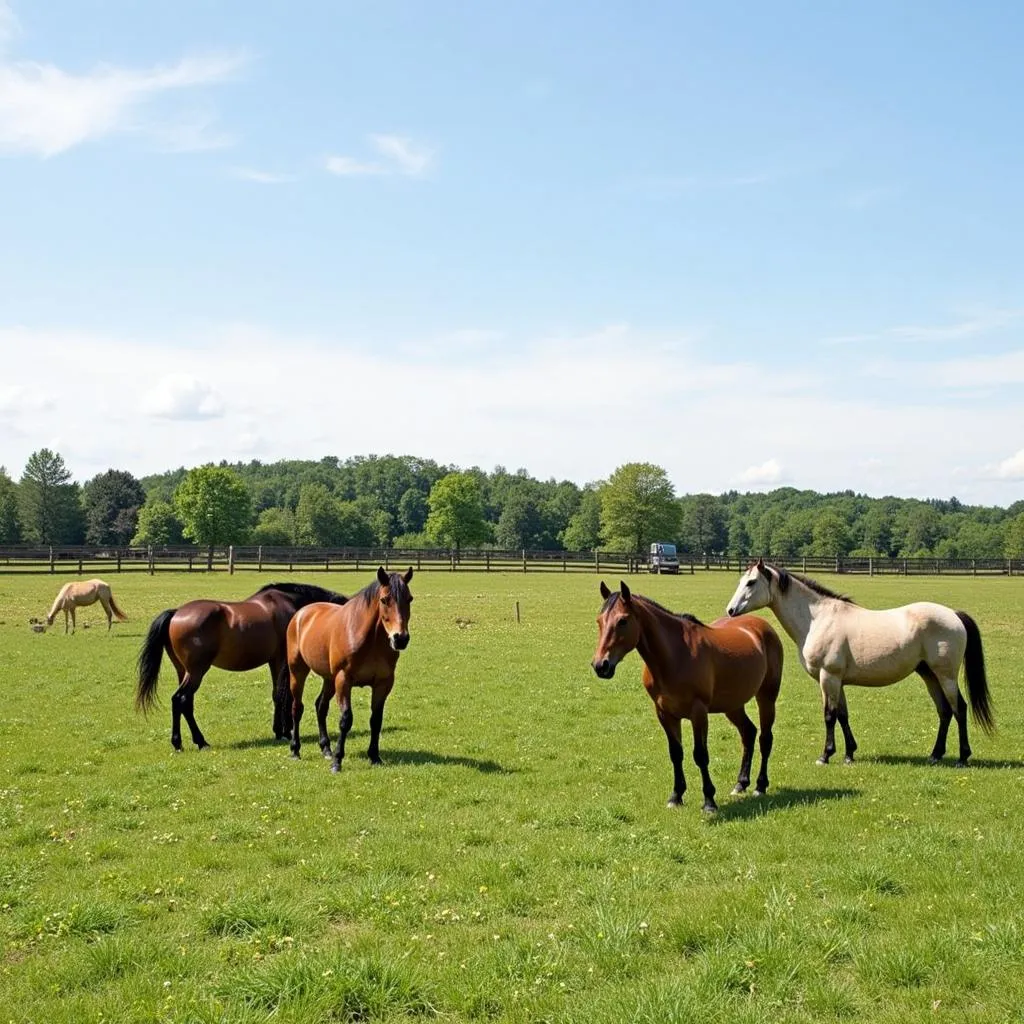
(354, 645)
(840, 643)
(79, 595)
(692, 670)
(232, 635)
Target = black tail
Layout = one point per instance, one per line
(974, 671)
(149, 660)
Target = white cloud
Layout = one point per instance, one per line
(973, 325)
(179, 396)
(8, 25)
(769, 472)
(45, 110)
(17, 399)
(558, 404)
(261, 177)
(991, 371)
(401, 156)
(1012, 468)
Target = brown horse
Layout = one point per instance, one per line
(692, 670)
(232, 635)
(354, 645)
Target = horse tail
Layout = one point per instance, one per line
(974, 671)
(152, 652)
(120, 615)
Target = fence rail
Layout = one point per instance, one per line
(237, 558)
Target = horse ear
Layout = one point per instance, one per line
(625, 592)
(760, 564)
(408, 575)
(605, 592)
(382, 576)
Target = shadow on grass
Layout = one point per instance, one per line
(259, 742)
(420, 757)
(750, 806)
(947, 762)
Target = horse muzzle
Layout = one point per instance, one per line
(603, 669)
(399, 641)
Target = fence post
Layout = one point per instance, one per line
(417, 561)
(118, 559)
(597, 561)
(231, 559)
(563, 562)
(51, 558)
(79, 565)
(871, 566)
(905, 567)
(524, 559)
(487, 561)
(974, 567)
(259, 558)
(149, 553)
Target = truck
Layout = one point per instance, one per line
(663, 558)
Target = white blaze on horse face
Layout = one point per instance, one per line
(754, 591)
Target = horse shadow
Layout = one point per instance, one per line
(422, 757)
(257, 743)
(747, 807)
(919, 760)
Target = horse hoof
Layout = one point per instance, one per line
(760, 792)
(202, 746)
(933, 760)
(376, 762)
(822, 760)
(848, 760)
(710, 809)
(335, 768)
(674, 801)
(961, 764)
(738, 790)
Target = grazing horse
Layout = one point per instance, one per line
(355, 645)
(840, 643)
(79, 595)
(692, 670)
(232, 635)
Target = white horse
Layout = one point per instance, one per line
(839, 643)
(81, 593)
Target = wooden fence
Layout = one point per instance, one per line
(95, 561)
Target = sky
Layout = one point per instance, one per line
(760, 245)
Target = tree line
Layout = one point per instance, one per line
(409, 502)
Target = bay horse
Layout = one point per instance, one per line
(81, 594)
(232, 635)
(692, 670)
(840, 644)
(355, 645)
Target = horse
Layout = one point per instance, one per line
(80, 594)
(357, 644)
(232, 635)
(840, 644)
(692, 670)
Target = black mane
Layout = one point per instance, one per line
(371, 591)
(682, 616)
(819, 588)
(307, 593)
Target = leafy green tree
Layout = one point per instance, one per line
(112, 501)
(1013, 545)
(157, 525)
(355, 528)
(214, 507)
(923, 530)
(638, 506)
(739, 536)
(317, 518)
(275, 527)
(382, 526)
(830, 536)
(48, 501)
(876, 531)
(521, 522)
(705, 529)
(10, 525)
(456, 511)
(412, 510)
(583, 531)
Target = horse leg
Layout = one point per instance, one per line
(187, 709)
(323, 705)
(105, 601)
(297, 672)
(931, 681)
(699, 721)
(675, 753)
(343, 689)
(748, 733)
(766, 716)
(279, 695)
(831, 691)
(378, 696)
(951, 691)
(843, 714)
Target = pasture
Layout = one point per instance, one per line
(513, 860)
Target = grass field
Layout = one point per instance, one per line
(513, 860)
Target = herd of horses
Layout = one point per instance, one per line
(690, 669)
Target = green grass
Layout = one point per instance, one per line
(513, 860)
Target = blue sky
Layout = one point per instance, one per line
(757, 244)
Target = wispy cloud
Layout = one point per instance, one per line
(974, 324)
(984, 372)
(261, 177)
(45, 110)
(400, 156)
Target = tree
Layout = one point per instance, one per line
(638, 506)
(923, 524)
(704, 525)
(739, 536)
(317, 518)
(1013, 545)
(214, 507)
(157, 525)
(274, 528)
(830, 536)
(583, 531)
(10, 525)
(456, 511)
(112, 501)
(412, 511)
(520, 522)
(876, 531)
(48, 501)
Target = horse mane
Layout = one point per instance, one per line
(309, 592)
(682, 616)
(819, 588)
(371, 591)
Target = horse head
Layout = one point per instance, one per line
(393, 606)
(754, 590)
(618, 630)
